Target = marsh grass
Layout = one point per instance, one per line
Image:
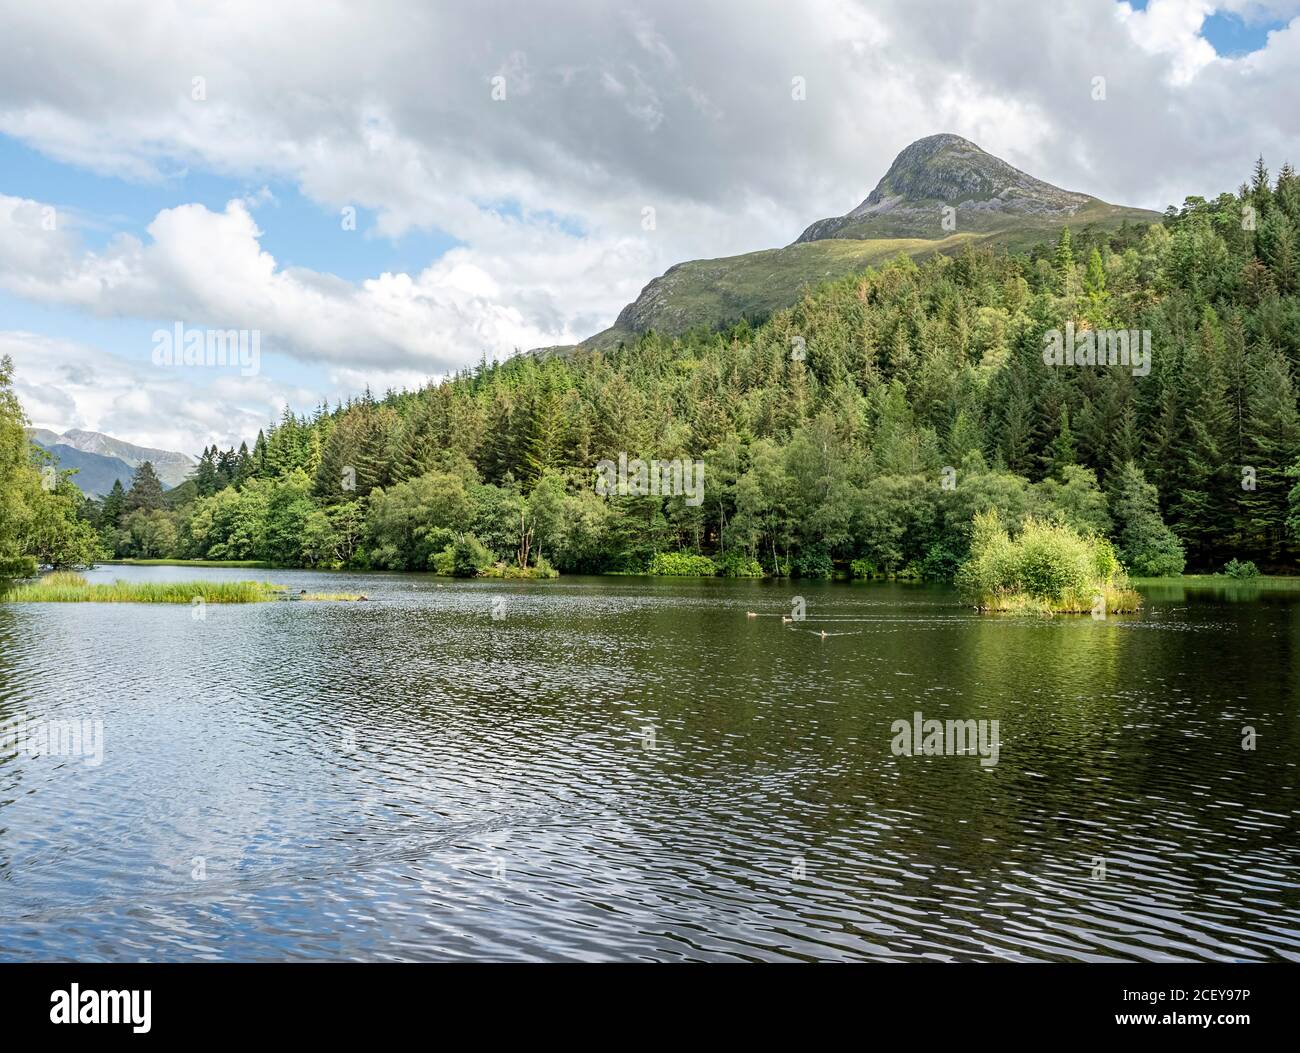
(66, 587)
(1119, 600)
(238, 564)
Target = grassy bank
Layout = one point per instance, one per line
(1219, 587)
(1273, 582)
(241, 564)
(73, 588)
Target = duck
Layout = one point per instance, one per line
(823, 634)
(750, 614)
(786, 618)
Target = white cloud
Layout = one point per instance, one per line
(208, 269)
(681, 106)
(63, 385)
(1172, 28)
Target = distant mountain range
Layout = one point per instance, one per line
(100, 460)
(940, 194)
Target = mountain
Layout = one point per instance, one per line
(99, 456)
(95, 473)
(987, 194)
(989, 202)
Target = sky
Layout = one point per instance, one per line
(384, 193)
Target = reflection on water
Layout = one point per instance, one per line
(632, 769)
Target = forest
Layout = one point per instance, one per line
(860, 432)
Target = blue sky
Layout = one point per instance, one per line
(296, 231)
(1233, 34)
(487, 225)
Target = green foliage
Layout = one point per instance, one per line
(1046, 566)
(1236, 568)
(862, 569)
(737, 565)
(825, 430)
(1146, 546)
(813, 562)
(681, 565)
(41, 510)
(941, 562)
(469, 557)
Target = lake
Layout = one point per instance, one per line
(633, 769)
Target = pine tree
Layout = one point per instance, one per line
(1094, 285)
(1273, 444)
(1204, 482)
(1261, 195)
(146, 492)
(259, 455)
(1063, 451)
(114, 506)
(206, 481)
(335, 479)
(1146, 545)
(243, 465)
(1064, 263)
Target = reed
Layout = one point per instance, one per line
(66, 587)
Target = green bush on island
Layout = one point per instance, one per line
(681, 565)
(1049, 567)
(541, 569)
(1241, 569)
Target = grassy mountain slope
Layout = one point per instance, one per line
(706, 294)
(993, 204)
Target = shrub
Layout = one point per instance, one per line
(737, 565)
(1046, 567)
(443, 562)
(1236, 568)
(469, 557)
(940, 563)
(862, 568)
(813, 563)
(681, 565)
(17, 567)
(543, 569)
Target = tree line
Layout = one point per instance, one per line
(861, 429)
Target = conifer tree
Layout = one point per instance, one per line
(146, 491)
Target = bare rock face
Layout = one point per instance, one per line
(947, 170)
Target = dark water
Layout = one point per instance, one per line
(411, 778)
